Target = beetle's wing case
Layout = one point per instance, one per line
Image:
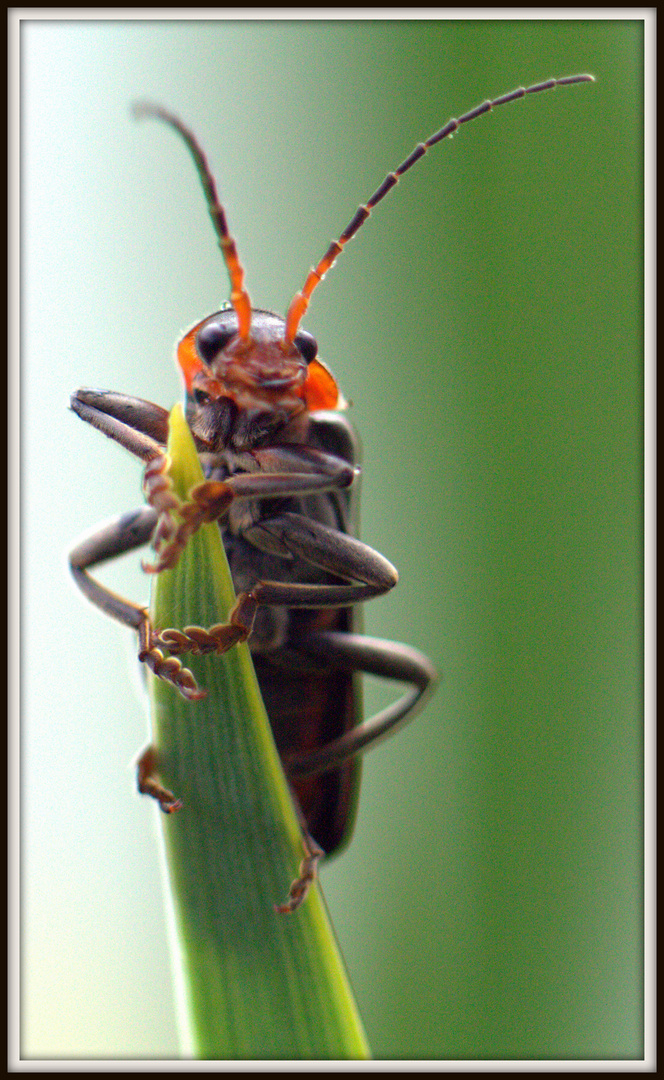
(328, 701)
(310, 705)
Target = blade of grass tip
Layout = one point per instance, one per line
(257, 984)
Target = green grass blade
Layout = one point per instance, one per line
(257, 984)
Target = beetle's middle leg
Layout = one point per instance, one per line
(117, 537)
(368, 574)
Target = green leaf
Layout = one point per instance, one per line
(257, 984)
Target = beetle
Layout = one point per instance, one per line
(280, 461)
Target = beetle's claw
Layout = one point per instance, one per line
(148, 784)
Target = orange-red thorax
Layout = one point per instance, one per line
(262, 371)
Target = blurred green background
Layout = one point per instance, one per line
(486, 325)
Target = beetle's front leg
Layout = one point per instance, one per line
(142, 428)
(111, 412)
(178, 521)
(281, 472)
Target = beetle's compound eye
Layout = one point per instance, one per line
(307, 345)
(211, 339)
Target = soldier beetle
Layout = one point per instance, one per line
(280, 461)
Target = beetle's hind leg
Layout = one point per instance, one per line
(371, 656)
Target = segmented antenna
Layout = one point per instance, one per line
(300, 301)
(239, 295)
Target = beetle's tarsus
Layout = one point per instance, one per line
(148, 784)
(195, 640)
(215, 639)
(307, 875)
(207, 503)
(167, 668)
(171, 670)
(157, 484)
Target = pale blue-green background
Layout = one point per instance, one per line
(487, 327)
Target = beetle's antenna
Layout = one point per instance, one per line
(239, 295)
(300, 301)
